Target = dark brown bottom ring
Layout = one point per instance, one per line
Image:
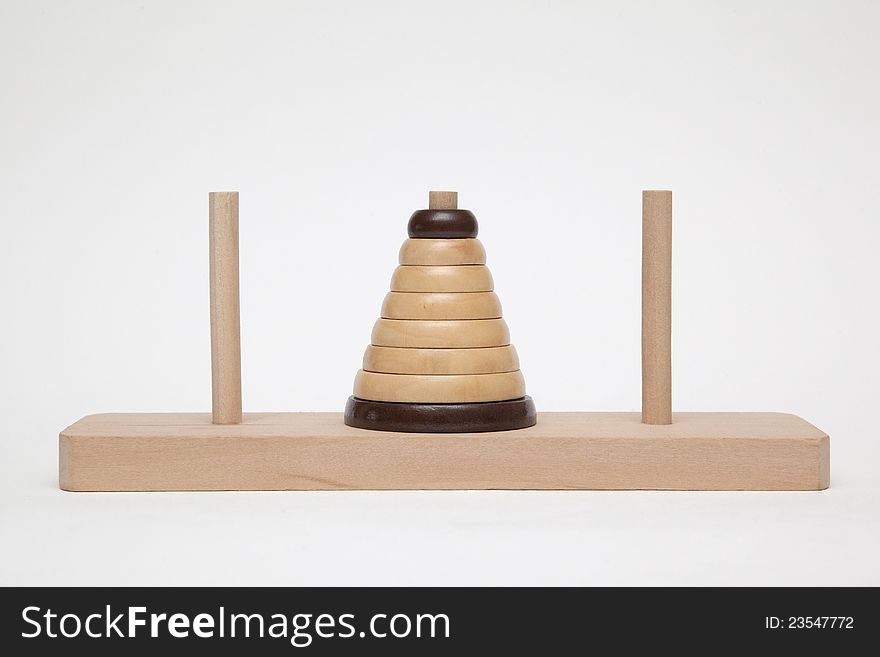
(441, 418)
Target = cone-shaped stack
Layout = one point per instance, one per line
(440, 360)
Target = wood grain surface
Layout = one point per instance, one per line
(316, 451)
(441, 278)
(439, 389)
(438, 200)
(656, 307)
(442, 252)
(467, 417)
(398, 360)
(441, 305)
(225, 307)
(462, 334)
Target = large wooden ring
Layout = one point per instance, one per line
(397, 360)
(448, 224)
(455, 334)
(442, 252)
(441, 418)
(434, 278)
(442, 389)
(441, 305)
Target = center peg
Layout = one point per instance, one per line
(440, 360)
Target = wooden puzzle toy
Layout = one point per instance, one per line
(468, 378)
(440, 401)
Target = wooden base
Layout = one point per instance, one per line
(316, 451)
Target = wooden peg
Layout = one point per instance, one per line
(447, 389)
(439, 334)
(441, 305)
(442, 200)
(225, 323)
(657, 307)
(439, 278)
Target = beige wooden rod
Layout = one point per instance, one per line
(442, 200)
(657, 307)
(225, 323)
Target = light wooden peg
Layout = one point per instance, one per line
(442, 200)
(225, 312)
(657, 307)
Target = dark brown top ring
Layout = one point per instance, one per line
(434, 224)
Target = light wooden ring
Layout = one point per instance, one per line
(441, 278)
(446, 389)
(397, 360)
(440, 334)
(442, 252)
(441, 305)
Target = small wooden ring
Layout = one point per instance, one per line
(439, 278)
(442, 252)
(440, 334)
(446, 224)
(441, 305)
(442, 389)
(397, 360)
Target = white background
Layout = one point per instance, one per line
(333, 120)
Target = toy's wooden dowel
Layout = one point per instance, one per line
(225, 323)
(442, 200)
(657, 307)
